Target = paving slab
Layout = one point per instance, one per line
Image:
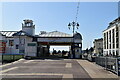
(45, 69)
(68, 69)
(96, 71)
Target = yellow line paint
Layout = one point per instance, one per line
(6, 70)
(56, 74)
(5, 65)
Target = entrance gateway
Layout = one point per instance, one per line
(25, 41)
(45, 40)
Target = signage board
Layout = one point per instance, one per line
(31, 44)
(54, 40)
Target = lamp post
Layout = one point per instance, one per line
(73, 25)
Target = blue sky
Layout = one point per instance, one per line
(93, 17)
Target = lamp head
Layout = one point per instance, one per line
(73, 22)
(69, 24)
(78, 24)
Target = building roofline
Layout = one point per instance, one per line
(112, 23)
(17, 34)
(8, 31)
(97, 39)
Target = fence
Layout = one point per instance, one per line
(10, 57)
(109, 63)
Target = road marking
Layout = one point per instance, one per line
(64, 76)
(41, 67)
(45, 63)
(6, 70)
(67, 60)
(38, 74)
(68, 76)
(51, 60)
(28, 61)
(20, 74)
(11, 63)
(68, 65)
(5, 65)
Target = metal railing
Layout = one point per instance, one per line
(109, 63)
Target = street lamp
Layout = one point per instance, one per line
(73, 25)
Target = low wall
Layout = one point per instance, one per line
(10, 57)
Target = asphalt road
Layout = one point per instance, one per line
(44, 69)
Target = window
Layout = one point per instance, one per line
(21, 51)
(110, 39)
(99, 44)
(22, 41)
(113, 38)
(11, 42)
(17, 46)
(104, 40)
(80, 45)
(117, 29)
(113, 52)
(117, 53)
(117, 45)
(107, 40)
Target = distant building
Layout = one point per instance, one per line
(111, 40)
(98, 46)
(26, 42)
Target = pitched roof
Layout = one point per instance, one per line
(2, 34)
(55, 34)
(8, 33)
(21, 33)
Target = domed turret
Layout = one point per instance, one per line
(28, 27)
(77, 36)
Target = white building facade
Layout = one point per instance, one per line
(17, 41)
(111, 39)
(26, 42)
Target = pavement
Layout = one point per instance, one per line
(54, 69)
(96, 71)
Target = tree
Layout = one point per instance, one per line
(91, 49)
(86, 50)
